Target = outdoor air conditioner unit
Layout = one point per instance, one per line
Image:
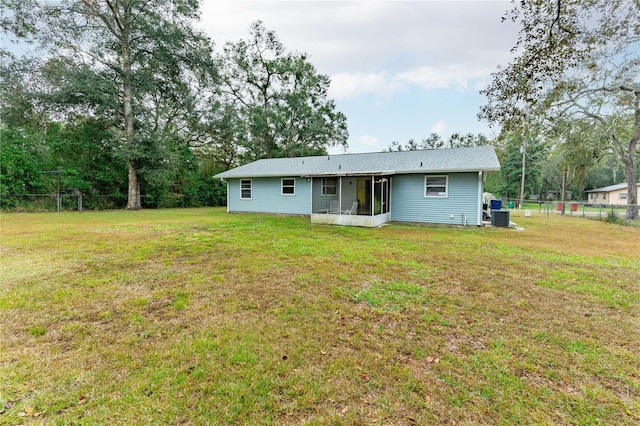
(500, 218)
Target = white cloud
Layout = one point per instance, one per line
(439, 127)
(419, 61)
(373, 36)
(346, 85)
(448, 76)
(366, 140)
(362, 143)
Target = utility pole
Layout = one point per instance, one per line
(563, 198)
(524, 154)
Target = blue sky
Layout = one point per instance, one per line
(399, 69)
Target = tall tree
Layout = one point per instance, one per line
(130, 57)
(435, 141)
(17, 18)
(458, 140)
(579, 147)
(281, 96)
(512, 147)
(606, 172)
(23, 151)
(580, 60)
(223, 138)
(32, 142)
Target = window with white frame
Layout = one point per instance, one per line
(288, 187)
(329, 186)
(436, 186)
(245, 189)
(622, 197)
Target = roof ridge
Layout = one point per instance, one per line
(447, 160)
(381, 152)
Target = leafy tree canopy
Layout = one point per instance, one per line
(281, 97)
(435, 141)
(140, 63)
(578, 60)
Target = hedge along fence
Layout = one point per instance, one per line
(78, 201)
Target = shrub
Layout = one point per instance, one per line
(612, 217)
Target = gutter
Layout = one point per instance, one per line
(222, 179)
(480, 190)
(338, 173)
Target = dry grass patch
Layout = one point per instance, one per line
(196, 316)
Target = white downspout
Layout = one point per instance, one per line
(479, 218)
(311, 197)
(222, 179)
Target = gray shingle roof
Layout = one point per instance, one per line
(611, 187)
(481, 158)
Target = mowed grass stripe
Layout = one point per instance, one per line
(197, 316)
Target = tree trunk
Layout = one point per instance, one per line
(631, 163)
(133, 199)
(631, 175)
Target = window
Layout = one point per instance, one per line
(245, 189)
(288, 187)
(329, 186)
(435, 186)
(622, 196)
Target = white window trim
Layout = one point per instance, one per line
(324, 194)
(282, 186)
(446, 186)
(250, 188)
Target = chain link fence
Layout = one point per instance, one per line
(60, 202)
(604, 212)
(77, 201)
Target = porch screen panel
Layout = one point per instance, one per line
(329, 186)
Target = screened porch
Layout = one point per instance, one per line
(350, 200)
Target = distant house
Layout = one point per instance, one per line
(612, 194)
(430, 186)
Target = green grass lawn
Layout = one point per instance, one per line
(196, 316)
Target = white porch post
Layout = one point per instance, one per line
(373, 195)
(340, 194)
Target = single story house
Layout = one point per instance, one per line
(441, 186)
(612, 194)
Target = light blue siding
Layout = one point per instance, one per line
(266, 197)
(408, 203)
